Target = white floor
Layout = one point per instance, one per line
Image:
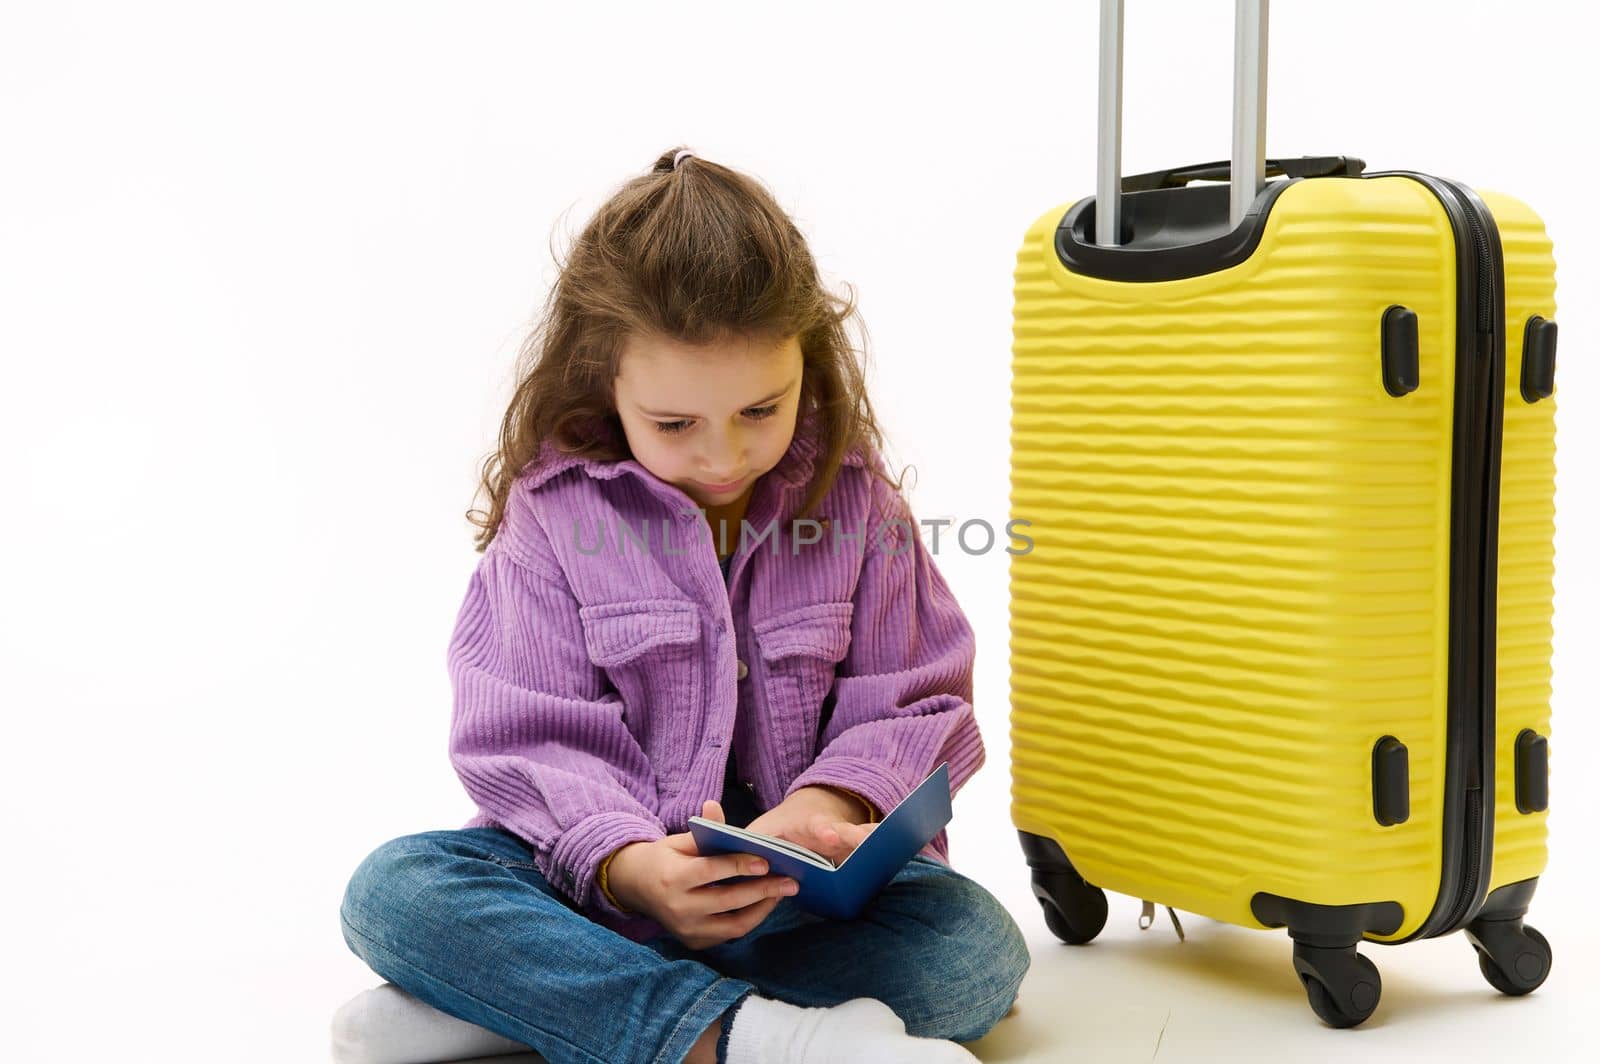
(1229, 994)
(254, 974)
(1224, 994)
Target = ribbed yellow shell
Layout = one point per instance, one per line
(1239, 574)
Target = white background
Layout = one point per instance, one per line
(263, 272)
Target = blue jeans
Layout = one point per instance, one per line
(463, 920)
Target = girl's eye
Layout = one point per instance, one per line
(755, 413)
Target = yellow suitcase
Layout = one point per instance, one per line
(1280, 645)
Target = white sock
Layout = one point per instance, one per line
(386, 1025)
(863, 1029)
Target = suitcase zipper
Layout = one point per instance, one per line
(1486, 276)
(1489, 374)
(1467, 901)
(1470, 728)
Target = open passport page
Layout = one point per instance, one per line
(841, 891)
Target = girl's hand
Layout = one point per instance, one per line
(671, 883)
(818, 819)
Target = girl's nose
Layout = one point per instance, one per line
(727, 469)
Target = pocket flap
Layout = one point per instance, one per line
(821, 630)
(617, 632)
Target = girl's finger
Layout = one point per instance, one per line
(829, 842)
(850, 836)
(846, 837)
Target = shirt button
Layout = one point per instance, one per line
(744, 670)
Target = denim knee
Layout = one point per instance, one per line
(379, 879)
(966, 979)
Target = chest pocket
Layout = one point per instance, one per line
(650, 652)
(799, 652)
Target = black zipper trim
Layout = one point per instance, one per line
(1468, 818)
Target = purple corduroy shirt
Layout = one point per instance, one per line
(602, 667)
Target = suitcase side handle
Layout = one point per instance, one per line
(1249, 116)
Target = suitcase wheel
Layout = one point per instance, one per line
(1342, 986)
(1513, 957)
(1074, 911)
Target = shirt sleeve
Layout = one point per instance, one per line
(537, 734)
(903, 691)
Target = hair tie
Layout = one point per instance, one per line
(678, 158)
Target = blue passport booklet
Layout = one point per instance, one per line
(841, 891)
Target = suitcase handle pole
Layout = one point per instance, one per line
(1249, 106)
(1249, 117)
(1108, 160)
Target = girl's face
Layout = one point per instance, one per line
(709, 420)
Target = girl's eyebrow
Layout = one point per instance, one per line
(758, 402)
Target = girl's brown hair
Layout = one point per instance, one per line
(697, 253)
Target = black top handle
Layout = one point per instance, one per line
(1305, 166)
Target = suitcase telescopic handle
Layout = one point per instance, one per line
(1247, 171)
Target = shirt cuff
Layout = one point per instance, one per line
(578, 853)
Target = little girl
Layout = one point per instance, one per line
(691, 402)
